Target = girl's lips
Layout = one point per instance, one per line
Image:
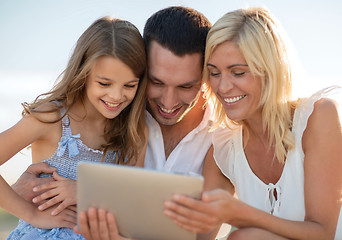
(111, 106)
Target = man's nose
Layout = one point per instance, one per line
(169, 98)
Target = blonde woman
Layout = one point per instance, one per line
(282, 158)
(94, 113)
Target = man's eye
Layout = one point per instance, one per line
(155, 82)
(214, 74)
(186, 87)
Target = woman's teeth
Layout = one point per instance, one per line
(234, 99)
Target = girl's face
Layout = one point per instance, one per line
(110, 87)
(233, 83)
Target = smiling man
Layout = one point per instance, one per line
(177, 119)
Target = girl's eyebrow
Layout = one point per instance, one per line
(231, 66)
(108, 79)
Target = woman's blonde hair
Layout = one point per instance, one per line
(258, 36)
(105, 37)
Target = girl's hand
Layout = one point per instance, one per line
(44, 219)
(203, 215)
(98, 225)
(63, 191)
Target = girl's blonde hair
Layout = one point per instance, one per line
(258, 36)
(105, 37)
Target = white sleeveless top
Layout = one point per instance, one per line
(230, 158)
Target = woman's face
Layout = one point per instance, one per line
(233, 83)
(110, 87)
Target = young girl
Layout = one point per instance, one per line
(94, 113)
(283, 158)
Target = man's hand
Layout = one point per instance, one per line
(30, 179)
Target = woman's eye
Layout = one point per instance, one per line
(239, 73)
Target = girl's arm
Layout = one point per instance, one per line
(27, 131)
(322, 141)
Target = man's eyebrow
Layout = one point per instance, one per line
(231, 66)
(192, 82)
(154, 78)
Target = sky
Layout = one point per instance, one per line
(38, 36)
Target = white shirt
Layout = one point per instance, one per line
(187, 157)
(230, 158)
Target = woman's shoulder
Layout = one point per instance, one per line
(325, 111)
(226, 142)
(327, 99)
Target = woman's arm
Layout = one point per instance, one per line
(322, 145)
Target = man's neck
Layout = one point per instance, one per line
(173, 134)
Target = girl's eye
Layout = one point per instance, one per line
(131, 85)
(103, 84)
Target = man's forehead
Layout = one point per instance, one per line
(170, 69)
(176, 79)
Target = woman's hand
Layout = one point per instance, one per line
(98, 225)
(62, 190)
(203, 215)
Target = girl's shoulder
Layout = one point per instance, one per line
(49, 112)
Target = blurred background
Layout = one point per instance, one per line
(38, 36)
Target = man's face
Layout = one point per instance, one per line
(174, 83)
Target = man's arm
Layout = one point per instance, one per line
(30, 179)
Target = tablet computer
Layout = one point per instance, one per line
(136, 197)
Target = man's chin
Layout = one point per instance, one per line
(166, 121)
